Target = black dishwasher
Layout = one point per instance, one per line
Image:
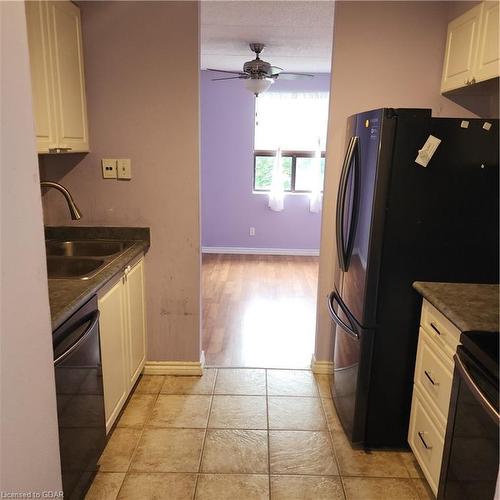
(80, 400)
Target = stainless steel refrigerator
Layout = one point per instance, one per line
(417, 201)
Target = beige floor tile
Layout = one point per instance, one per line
(369, 488)
(291, 383)
(296, 413)
(332, 418)
(149, 384)
(241, 382)
(238, 412)
(105, 486)
(158, 486)
(137, 410)
(301, 452)
(235, 451)
(411, 465)
(423, 489)
(119, 450)
(190, 385)
(168, 450)
(306, 488)
(232, 486)
(323, 383)
(361, 463)
(180, 411)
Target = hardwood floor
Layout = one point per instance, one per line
(259, 310)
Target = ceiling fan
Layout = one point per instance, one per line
(259, 74)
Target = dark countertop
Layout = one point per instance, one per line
(67, 295)
(469, 307)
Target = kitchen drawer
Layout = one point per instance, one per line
(441, 329)
(433, 375)
(426, 439)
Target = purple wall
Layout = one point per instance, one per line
(229, 208)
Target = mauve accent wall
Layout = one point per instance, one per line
(386, 54)
(29, 447)
(229, 207)
(142, 76)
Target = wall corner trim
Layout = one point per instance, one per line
(188, 368)
(262, 251)
(321, 367)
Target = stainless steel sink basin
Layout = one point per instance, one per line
(65, 267)
(93, 248)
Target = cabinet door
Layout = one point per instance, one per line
(136, 321)
(41, 76)
(488, 61)
(67, 55)
(112, 328)
(461, 49)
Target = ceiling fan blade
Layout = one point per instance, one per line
(225, 71)
(294, 76)
(276, 70)
(230, 78)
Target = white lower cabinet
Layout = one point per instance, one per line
(122, 326)
(437, 342)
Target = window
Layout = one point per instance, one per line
(296, 123)
(297, 167)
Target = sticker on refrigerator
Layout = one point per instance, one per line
(428, 149)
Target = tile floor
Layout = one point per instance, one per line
(244, 434)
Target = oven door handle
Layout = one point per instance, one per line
(349, 329)
(476, 392)
(94, 318)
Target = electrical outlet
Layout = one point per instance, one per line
(252, 231)
(108, 169)
(124, 169)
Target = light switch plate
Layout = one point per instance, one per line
(108, 169)
(124, 169)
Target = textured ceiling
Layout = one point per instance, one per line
(297, 35)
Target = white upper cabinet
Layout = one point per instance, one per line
(41, 75)
(471, 54)
(488, 59)
(57, 74)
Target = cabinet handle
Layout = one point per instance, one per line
(125, 272)
(435, 328)
(430, 378)
(426, 446)
(59, 150)
(466, 82)
(472, 81)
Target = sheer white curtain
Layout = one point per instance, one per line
(277, 193)
(315, 198)
(294, 122)
(291, 121)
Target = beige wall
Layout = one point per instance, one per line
(29, 450)
(386, 54)
(142, 71)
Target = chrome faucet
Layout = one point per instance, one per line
(73, 209)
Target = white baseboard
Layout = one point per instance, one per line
(321, 367)
(262, 251)
(193, 368)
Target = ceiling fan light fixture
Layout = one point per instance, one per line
(258, 85)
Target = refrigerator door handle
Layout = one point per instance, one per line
(349, 329)
(344, 251)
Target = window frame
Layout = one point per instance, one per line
(294, 155)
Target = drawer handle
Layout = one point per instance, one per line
(426, 446)
(435, 328)
(431, 380)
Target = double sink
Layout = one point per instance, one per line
(81, 259)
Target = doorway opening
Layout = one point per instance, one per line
(262, 168)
